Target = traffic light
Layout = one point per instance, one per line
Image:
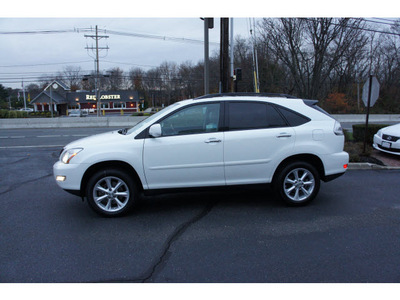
(238, 74)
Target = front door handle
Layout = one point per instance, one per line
(284, 135)
(212, 140)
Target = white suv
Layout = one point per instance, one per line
(214, 140)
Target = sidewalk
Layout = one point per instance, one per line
(390, 162)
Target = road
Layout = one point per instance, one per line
(44, 138)
(350, 233)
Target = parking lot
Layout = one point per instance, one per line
(350, 233)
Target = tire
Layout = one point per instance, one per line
(297, 183)
(111, 192)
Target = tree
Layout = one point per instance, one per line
(3, 97)
(337, 103)
(72, 76)
(311, 48)
(115, 81)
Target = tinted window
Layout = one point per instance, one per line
(191, 120)
(252, 115)
(293, 118)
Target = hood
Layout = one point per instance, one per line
(97, 139)
(392, 130)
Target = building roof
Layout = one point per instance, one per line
(44, 96)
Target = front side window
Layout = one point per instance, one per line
(195, 119)
(253, 115)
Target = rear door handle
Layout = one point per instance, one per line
(212, 140)
(284, 135)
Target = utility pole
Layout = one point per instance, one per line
(23, 91)
(255, 59)
(224, 56)
(208, 24)
(97, 37)
(232, 59)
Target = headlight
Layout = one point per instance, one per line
(379, 133)
(67, 155)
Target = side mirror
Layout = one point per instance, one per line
(155, 131)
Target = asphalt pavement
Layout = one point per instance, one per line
(350, 233)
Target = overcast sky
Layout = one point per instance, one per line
(24, 56)
(31, 53)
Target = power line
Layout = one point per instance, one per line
(159, 37)
(38, 31)
(379, 22)
(46, 64)
(131, 64)
(366, 29)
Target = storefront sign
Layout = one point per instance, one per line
(103, 97)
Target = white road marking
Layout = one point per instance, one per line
(36, 146)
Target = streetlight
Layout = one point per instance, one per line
(51, 86)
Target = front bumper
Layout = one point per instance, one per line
(386, 146)
(72, 173)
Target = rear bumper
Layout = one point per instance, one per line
(332, 177)
(335, 165)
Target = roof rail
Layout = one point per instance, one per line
(246, 94)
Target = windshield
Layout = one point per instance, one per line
(145, 122)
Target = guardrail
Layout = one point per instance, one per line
(69, 122)
(374, 118)
(129, 121)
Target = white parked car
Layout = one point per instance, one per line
(215, 140)
(77, 113)
(26, 109)
(388, 139)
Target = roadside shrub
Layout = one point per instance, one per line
(359, 132)
(141, 114)
(348, 135)
(3, 113)
(12, 114)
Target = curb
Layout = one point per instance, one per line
(369, 166)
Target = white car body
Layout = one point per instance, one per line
(388, 139)
(26, 109)
(221, 157)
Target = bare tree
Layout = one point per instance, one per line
(72, 76)
(114, 80)
(311, 48)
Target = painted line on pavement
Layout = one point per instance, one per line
(37, 146)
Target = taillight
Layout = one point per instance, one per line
(337, 129)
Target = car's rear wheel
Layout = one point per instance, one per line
(297, 183)
(111, 192)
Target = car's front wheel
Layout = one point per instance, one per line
(297, 183)
(111, 192)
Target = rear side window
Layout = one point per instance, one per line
(293, 118)
(253, 115)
